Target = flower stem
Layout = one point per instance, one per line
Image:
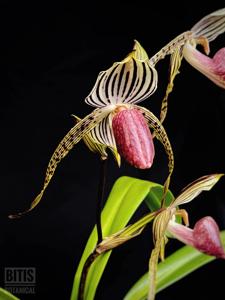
(101, 192)
(91, 258)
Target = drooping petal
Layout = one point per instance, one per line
(204, 183)
(213, 68)
(207, 237)
(72, 137)
(211, 25)
(175, 63)
(129, 81)
(161, 135)
(133, 137)
(173, 48)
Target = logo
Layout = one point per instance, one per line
(20, 280)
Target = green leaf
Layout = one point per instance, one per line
(5, 295)
(153, 198)
(126, 196)
(173, 268)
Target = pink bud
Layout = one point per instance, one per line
(206, 237)
(133, 137)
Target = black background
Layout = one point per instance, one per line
(55, 53)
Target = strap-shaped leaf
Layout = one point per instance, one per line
(72, 137)
(126, 196)
(211, 25)
(129, 81)
(5, 295)
(175, 267)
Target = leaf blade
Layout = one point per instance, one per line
(175, 267)
(5, 295)
(126, 196)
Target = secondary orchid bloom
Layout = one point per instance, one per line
(117, 122)
(204, 236)
(184, 45)
(206, 31)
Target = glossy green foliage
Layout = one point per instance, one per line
(176, 266)
(5, 295)
(126, 196)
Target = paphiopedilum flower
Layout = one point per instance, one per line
(205, 31)
(117, 122)
(204, 236)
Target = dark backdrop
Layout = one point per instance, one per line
(55, 53)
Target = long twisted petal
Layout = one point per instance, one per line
(175, 63)
(72, 137)
(161, 135)
(172, 46)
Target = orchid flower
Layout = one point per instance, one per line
(117, 122)
(204, 236)
(204, 32)
(184, 45)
